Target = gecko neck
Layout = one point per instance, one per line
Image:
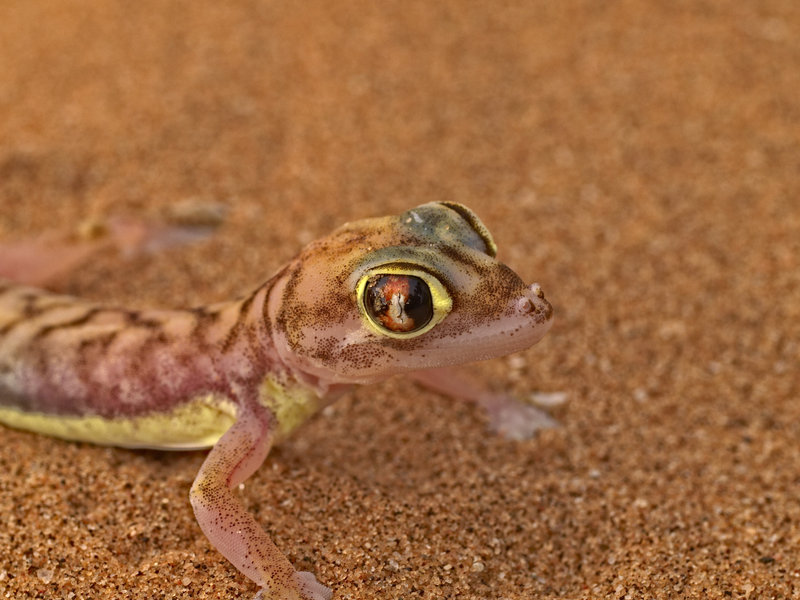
(247, 349)
(249, 354)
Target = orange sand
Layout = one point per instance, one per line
(640, 160)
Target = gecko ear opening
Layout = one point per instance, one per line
(401, 302)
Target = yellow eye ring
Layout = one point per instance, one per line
(401, 302)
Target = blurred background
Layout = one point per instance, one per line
(640, 160)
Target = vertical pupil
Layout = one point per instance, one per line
(399, 303)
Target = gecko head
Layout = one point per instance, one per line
(383, 296)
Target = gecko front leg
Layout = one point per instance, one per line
(226, 522)
(507, 416)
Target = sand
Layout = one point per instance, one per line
(640, 160)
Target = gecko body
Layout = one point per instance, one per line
(376, 298)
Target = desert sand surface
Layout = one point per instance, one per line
(640, 160)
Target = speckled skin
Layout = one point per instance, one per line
(178, 379)
(60, 355)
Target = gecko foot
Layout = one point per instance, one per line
(310, 588)
(307, 584)
(515, 420)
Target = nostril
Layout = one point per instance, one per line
(526, 305)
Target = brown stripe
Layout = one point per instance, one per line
(236, 328)
(100, 343)
(31, 311)
(204, 319)
(134, 318)
(270, 285)
(78, 322)
(10, 325)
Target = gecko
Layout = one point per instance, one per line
(380, 297)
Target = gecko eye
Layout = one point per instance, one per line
(399, 303)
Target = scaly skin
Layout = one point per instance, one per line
(376, 298)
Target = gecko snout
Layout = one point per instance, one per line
(534, 303)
